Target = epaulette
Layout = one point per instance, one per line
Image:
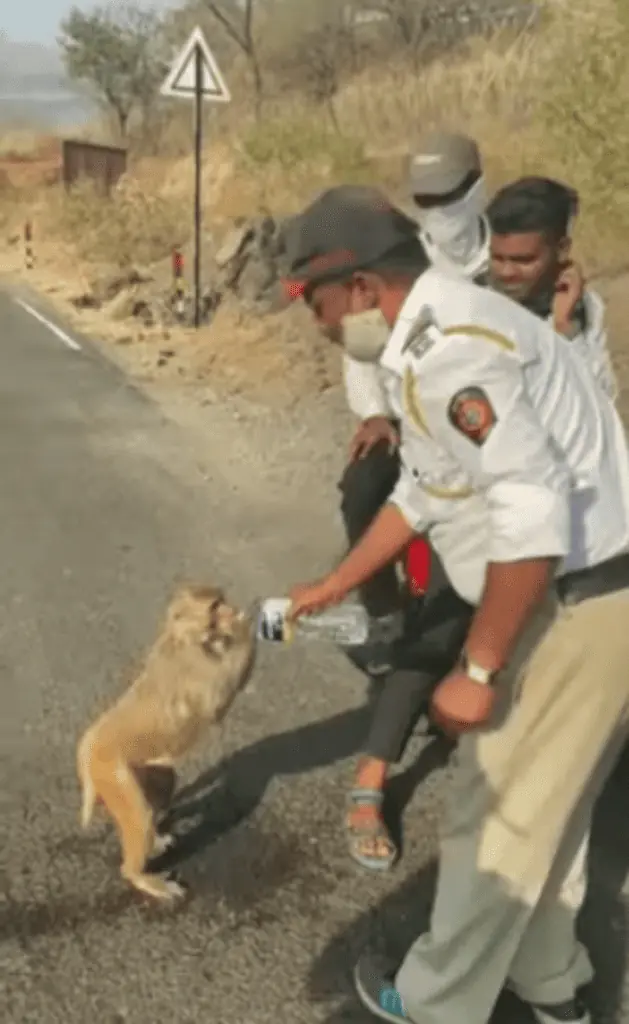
(423, 334)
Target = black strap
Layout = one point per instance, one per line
(606, 578)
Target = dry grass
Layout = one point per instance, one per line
(276, 359)
(136, 226)
(550, 102)
(22, 143)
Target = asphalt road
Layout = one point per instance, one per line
(101, 510)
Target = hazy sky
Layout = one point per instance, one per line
(37, 21)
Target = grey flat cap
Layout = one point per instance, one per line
(442, 162)
(345, 229)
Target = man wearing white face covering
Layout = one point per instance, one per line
(448, 191)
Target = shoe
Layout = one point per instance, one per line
(374, 979)
(573, 1011)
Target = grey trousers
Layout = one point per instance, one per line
(434, 634)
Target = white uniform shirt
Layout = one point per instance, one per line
(365, 383)
(592, 344)
(552, 477)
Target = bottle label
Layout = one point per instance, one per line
(272, 624)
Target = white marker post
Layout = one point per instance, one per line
(195, 74)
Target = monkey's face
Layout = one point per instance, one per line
(202, 616)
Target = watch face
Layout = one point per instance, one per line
(476, 672)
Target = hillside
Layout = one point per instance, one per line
(532, 107)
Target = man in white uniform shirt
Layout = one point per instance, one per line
(515, 462)
(448, 191)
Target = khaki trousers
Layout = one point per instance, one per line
(513, 861)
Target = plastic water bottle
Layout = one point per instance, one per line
(346, 625)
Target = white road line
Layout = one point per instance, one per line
(65, 338)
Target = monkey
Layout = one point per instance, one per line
(201, 660)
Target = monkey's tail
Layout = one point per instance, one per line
(87, 783)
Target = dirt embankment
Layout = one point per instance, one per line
(107, 263)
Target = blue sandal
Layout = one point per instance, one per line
(370, 843)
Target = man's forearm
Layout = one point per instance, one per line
(512, 592)
(386, 538)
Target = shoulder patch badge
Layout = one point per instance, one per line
(472, 414)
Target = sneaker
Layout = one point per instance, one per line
(374, 979)
(573, 1011)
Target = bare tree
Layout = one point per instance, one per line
(119, 54)
(237, 21)
(316, 50)
(410, 22)
(424, 27)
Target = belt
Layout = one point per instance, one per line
(605, 578)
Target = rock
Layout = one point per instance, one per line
(247, 268)
(142, 310)
(233, 244)
(111, 286)
(276, 300)
(256, 280)
(233, 272)
(266, 234)
(87, 300)
(248, 262)
(210, 301)
(133, 305)
(121, 308)
(277, 244)
(140, 275)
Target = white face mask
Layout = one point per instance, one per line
(455, 229)
(364, 335)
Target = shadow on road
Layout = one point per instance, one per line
(229, 793)
(395, 923)
(219, 800)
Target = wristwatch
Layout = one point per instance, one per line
(476, 672)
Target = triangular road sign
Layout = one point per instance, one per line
(181, 78)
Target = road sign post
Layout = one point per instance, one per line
(198, 179)
(194, 74)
